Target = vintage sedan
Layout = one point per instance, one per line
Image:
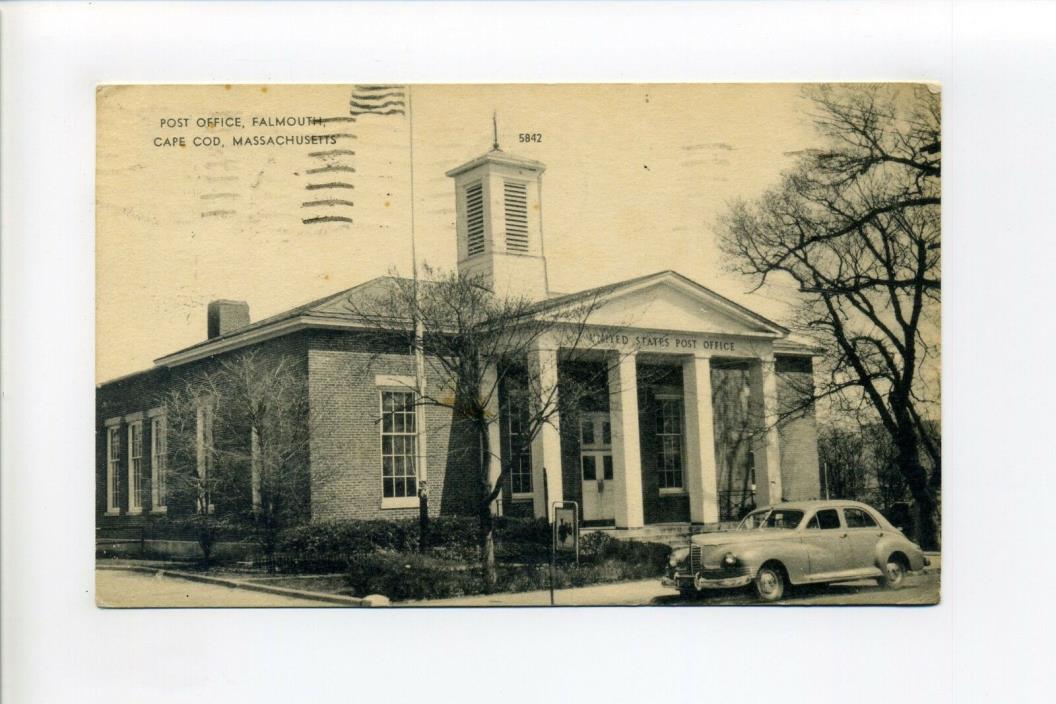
(803, 542)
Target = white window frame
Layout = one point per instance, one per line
(159, 461)
(113, 465)
(525, 457)
(255, 469)
(398, 385)
(680, 404)
(135, 463)
(203, 435)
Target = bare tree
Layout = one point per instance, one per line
(238, 432)
(475, 343)
(855, 226)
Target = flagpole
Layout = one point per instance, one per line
(419, 332)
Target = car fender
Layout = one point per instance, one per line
(893, 543)
(791, 554)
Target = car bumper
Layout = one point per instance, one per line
(701, 581)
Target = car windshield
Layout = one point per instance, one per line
(766, 518)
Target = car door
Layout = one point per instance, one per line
(824, 541)
(863, 533)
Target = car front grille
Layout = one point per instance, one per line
(695, 558)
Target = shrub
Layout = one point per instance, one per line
(408, 576)
(599, 547)
(333, 545)
(336, 546)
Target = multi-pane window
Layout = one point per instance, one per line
(669, 443)
(113, 462)
(135, 466)
(158, 465)
(204, 452)
(399, 440)
(520, 450)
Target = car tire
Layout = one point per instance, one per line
(894, 575)
(688, 592)
(770, 583)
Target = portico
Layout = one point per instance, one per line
(640, 444)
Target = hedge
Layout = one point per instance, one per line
(335, 545)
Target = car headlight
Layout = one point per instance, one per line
(729, 560)
(678, 556)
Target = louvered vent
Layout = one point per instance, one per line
(474, 219)
(516, 198)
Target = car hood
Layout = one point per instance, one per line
(739, 537)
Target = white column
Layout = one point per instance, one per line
(546, 445)
(490, 389)
(701, 478)
(767, 447)
(626, 451)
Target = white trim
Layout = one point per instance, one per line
(135, 489)
(157, 417)
(396, 381)
(264, 332)
(399, 502)
(673, 491)
(522, 496)
(113, 428)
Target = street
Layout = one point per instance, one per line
(126, 589)
(919, 589)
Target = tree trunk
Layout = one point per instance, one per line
(925, 528)
(488, 572)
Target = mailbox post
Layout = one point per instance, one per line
(565, 536)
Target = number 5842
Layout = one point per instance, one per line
(529, 137)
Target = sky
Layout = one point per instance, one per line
(636, 179)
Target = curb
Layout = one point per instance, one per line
(251, 586)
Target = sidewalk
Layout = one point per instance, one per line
(638, 593)
(160, 570)
(619, 594)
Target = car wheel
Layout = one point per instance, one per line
(769, 583)
(894, 575)
(688, 592)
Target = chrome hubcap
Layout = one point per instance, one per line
(894, 572)
(768, 582)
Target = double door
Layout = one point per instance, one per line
(596, 467)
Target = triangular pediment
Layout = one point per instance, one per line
(671, 302)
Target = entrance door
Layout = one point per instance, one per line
(595, 467)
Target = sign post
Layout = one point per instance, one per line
(565, 536)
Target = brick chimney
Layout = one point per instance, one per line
(224, 316)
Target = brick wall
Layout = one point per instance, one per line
(136, 393)
(346, 438)
(657, 507)
(800, 477)
(143, 391)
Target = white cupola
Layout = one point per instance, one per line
(499, 214)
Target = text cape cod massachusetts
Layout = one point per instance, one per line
(676, 372)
